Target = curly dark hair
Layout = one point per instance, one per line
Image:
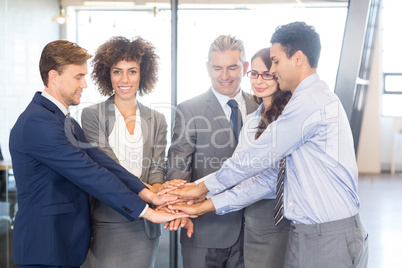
(279, 99)
(119, 48)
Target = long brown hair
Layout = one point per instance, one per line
(279, 98)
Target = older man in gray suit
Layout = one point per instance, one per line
(204, 136)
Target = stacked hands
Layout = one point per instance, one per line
(177, 201)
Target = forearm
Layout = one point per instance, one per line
(147, 195)
(206, 206)
(262, 186)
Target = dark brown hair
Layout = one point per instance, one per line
(57, 54)
(279, 98)
(119, 48)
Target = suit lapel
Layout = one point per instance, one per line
(147, 126)
(251, 105)
(217, 111)
(73, 136)
(109, 119)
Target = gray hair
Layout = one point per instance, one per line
(227, 42)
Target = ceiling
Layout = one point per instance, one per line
(109, 3)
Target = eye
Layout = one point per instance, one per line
(252, 74)
(267, 76)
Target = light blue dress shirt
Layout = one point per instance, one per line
(314, 135)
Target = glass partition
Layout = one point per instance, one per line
(26, 26)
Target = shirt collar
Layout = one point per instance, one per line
(223, 99)
(56, 102)
(307, 82)
(259, 109)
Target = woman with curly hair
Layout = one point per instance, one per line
(265, 243)
(134, 136)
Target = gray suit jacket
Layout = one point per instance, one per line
(98, 122)
(202, 141)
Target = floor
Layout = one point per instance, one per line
(381, 211)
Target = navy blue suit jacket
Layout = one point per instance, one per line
(55, 169)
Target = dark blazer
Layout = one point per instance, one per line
(55, 170)
(202, 141)
(98, 122)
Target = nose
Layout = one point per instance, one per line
(259, 78)
(84, 83)
(125, 77)
(273, 70)
(225, 74)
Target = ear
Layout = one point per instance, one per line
(208, 68)
(299, 58)
(245, 67)
(53, 76)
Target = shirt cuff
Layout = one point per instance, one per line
(144, 210)
(220, 204)
(212, 184)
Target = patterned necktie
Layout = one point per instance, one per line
(278, 209)
(235, 118)
(70, 121)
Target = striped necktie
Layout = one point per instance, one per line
(278, 209)
(235, 118)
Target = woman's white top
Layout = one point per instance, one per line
(128, 148)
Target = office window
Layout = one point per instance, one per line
(391, 58)
(198, 26)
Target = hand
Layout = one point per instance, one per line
(163, 216)
(171, 185)
(198, 208)
(189, 190)
(183, 223)
(158, 200)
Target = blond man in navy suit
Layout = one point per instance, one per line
(56, 169)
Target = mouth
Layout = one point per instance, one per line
(124, 89)
(226, 83)
(259, 89)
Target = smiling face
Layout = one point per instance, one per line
(226, 71)
(125, 78)
(262, 88)
(285, 69)
(69, 84)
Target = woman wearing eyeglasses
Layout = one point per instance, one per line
(265, 243)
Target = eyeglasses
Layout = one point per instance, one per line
(265, 75)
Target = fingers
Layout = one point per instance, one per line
(164, 199)
(182, 223)
(190, 227)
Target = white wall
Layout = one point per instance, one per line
(25, 28)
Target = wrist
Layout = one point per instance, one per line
(206, 206)
(147, 195)
(203, 188)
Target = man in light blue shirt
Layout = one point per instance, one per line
(320, 186)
